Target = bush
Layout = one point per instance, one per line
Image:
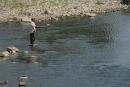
(99, 2)
(126, 1)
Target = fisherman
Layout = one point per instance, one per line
(32, 34)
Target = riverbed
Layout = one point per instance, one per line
(71, 52)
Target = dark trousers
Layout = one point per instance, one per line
(32, 38)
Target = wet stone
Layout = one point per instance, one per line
(4, 54)
(12, 49)
(22, 81)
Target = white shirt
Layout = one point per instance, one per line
(33, 26)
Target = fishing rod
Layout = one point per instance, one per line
(43, 26)
(40, 27)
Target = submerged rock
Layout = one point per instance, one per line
(32, 59)
(4, 82)
(26, 52)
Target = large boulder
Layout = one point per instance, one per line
(4, 54)
(12, 50)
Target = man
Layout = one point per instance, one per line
(32, 34)
(33, 25)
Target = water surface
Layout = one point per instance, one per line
(73, 52)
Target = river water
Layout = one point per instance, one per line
(73, 52)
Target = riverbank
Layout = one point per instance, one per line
(47, 11)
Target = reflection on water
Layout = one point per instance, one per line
(73, 52)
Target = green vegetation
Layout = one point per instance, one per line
(126, 1)
(99, 2)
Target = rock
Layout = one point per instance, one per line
(22, 84)
(22, 81)
(91, 14)
(1, 55)
(27, 13)
(4, 82)
(12, 50)
(13, 19)
(4, 54)
(25, 19)
(129, 8)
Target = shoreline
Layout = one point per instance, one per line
(57, 11)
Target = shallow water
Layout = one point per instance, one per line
(73, 52)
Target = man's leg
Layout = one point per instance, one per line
(32, 38)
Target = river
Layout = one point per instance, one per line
(72, 52)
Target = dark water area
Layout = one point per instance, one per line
(73, 52)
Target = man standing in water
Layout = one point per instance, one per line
(32, 34)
